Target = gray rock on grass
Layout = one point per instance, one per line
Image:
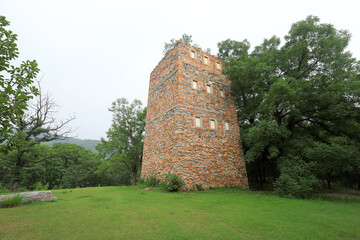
(29, 197)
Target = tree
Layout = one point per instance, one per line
(187, 39)
(35, 126)
(16, 85)
(78, 166)
(291, 97)
(63, 165)
(123, 149)
(339, 155)
(33, 173)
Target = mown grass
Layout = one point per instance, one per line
(131, 213)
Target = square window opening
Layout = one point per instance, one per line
(222, 94)
(192, 53)
(197, 122)
(227, 126)
(218, 65)
(206, 60)
(195, 85)
(208, 88)
(212, 124)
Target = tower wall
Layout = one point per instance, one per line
(173, 142)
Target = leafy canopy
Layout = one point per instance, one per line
(293, 97)
(123, 149)
(16, 85)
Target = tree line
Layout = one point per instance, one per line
(34, 166)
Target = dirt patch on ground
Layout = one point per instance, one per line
(85, 197)
(340, 193)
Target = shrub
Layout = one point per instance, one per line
(38, 186)
(296, 180)
(11, 202)
(4, 189)
(152, 181)
(199, 187)
(172, 183)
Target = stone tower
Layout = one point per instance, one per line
(191, 124)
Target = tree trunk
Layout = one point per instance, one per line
(328, 181)
(134, 177)
(261, 183)
(15, 185)
(18, 166)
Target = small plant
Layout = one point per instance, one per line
(152, 181)
(38, 186)
(172, 182)
(11, 202)
(199, 187)
(4, 189)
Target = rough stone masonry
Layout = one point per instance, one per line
(191, 124)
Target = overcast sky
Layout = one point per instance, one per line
(92, 52)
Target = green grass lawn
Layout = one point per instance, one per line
(131, 213)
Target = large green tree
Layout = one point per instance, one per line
(124, 145)
(16, 86)
(78, 166)
(295, 97)
(35, 126)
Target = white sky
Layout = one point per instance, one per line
(92, 52)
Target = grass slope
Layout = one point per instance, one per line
(130, 213)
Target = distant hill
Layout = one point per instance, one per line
(86, 143)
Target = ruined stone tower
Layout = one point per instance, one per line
(191, 124)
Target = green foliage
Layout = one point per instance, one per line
(123, 149)
(64, 165)
(152, 181)
(35, 162)
(297, 179)
(38, 186)
(294, 99)
(16, 86)
(80, 166)
(11, 202)
(112, 173)
(233, 49)
(35, 126)
(172, 182)
(338, 156)
(4, 189)
(199, 187)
